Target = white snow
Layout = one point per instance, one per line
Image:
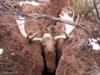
(34, 3)
(21, 25)
(94, 44)
(65, 16)
(1, 51)
(94, 40)
(69, 29)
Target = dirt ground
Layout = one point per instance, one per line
(78, 58)
(19, 57)
(23, 58)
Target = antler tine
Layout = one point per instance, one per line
(66, 34)
(73, 14)
(77, 18)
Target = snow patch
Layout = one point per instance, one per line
(69, 29)
(21, 25)
(34, 3)
(1, 51)
(94, 43)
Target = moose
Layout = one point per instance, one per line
(47, 40)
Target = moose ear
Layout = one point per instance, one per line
(53, 41)
(43, 42)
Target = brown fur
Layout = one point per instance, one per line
(50, 54)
